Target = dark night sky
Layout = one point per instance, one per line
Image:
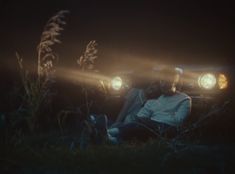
(189, 32)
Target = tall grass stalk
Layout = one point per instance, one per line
(46, 56)
(37, 91)
(86, 62)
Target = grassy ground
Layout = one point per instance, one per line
(46, 154)
(203, 151)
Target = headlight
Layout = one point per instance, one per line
(116, 83)
(222, 81)
(207, 81)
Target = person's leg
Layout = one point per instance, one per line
(133, 102)
(133, 131)
(142, 129)
(118, 134)
(113, 133)
(157, 127)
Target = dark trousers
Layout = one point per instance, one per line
(142, 129)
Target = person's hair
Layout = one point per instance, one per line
(170, 73)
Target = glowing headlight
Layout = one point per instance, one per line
(207, 81)
(116, 83)
(222, 81)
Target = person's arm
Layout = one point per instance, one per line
(145, 112)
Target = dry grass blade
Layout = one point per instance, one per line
(49, 37)
(86, 63)
(24, 75)
(38, 93)
(87, 60)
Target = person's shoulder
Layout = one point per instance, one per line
(183, 95)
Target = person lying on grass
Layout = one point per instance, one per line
(140, 117)
(168, 110)
(96, 129)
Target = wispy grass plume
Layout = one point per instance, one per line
(46, 55)
(37, 90)
(87, 60)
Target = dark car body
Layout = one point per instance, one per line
(203, 100)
